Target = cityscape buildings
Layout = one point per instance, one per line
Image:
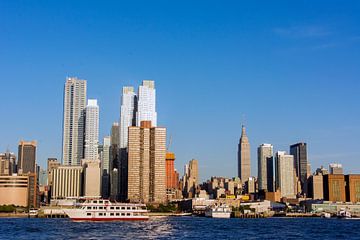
(74, 121)
(284, 172)
(146, 164)
(265, 167)
(244, 157)
(299, 151)
(7, 163)
(92, 130)
(66, 182)
(27, 157)
(191, 178)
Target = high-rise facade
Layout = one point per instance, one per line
(66, 182)
(27, 157)
(91, 130)
(105, 167)
(244, 157)
(265, 167)
(284, 171)
(92, 178)
(7, 163)
(127, 114)
(299, 151)
(146, 105)
(191, 178)
(74, 121)
(146, 164)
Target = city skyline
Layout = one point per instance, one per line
(304, 91)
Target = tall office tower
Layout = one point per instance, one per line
(92, 130)
(105, 168)
(127, 114)
(336, 168)
(146, 106)
(284, 171)
(7, 163)
(74, 121)
(146, 164)
(114, 161)
(299, 151)
(244, 157)
(27, 157)
(191, 178)
(265, 167)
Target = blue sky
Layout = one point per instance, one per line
(291, 68)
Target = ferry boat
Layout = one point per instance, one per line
(104, 210)
(344, 214)
(221, 211)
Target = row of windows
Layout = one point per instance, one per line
(113, 214)
(112, 208)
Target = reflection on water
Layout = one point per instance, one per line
(181, 228)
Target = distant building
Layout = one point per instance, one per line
(171, 176)
(146, 164)
(66, 182)
(334, 188)
(7, 163)
(146, 105)
(284, 171)
(127, 114)
(265, 167)
(91, 130)
(27, 157)
(321, 170)
(105, 168)
(316, 187)
(74, 121)
(244, 157)
(352, 188)
(43, 181)
(191, 179)
(336, 168)
(118, 170)
(52, 163)
(299, 151)
(92, 178)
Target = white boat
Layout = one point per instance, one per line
(221, 211)
(33, 213)
(104, 210)
(343, 214)
(326, 215)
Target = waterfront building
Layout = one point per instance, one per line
(334, 188)
(146, 164)
(92, 130)
(7, 163)
(265, 167)
(244, 157)
(66, 182)
(74, 121)
(171, 175)
(27, 157)
(191, 179)
(146, 105)
(299, 151)
(352, 188)
(92, 178)
(336, 168)
(316, 187)
(284, 172)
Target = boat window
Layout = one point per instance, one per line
(95, 201)
(101, 208)
(100, 201)
(117, 214)
(111, 214)
(112, 208)
(122, 208)
(117, 208)
(134, 208)
(128, 208)
(100, 214)
(128, 214)
(122, 214)
(94, 207)
(88, 207)
(89, 214)
(104, 214)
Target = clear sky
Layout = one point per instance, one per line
(290, 67)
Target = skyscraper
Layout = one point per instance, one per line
(244, 157)
(146, 164)
(299, 151)
(265, 167)
(284, 171)
(336, 168)
(146, 103)
(74, 121)
(127, 114)
(27, 157)
(91, 130)
(115, 162)
(7, 163)
(105, 168)
(191, 178)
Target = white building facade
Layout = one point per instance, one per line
(92, 130)
(146, 107)
(127, 114)
(284, 171)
